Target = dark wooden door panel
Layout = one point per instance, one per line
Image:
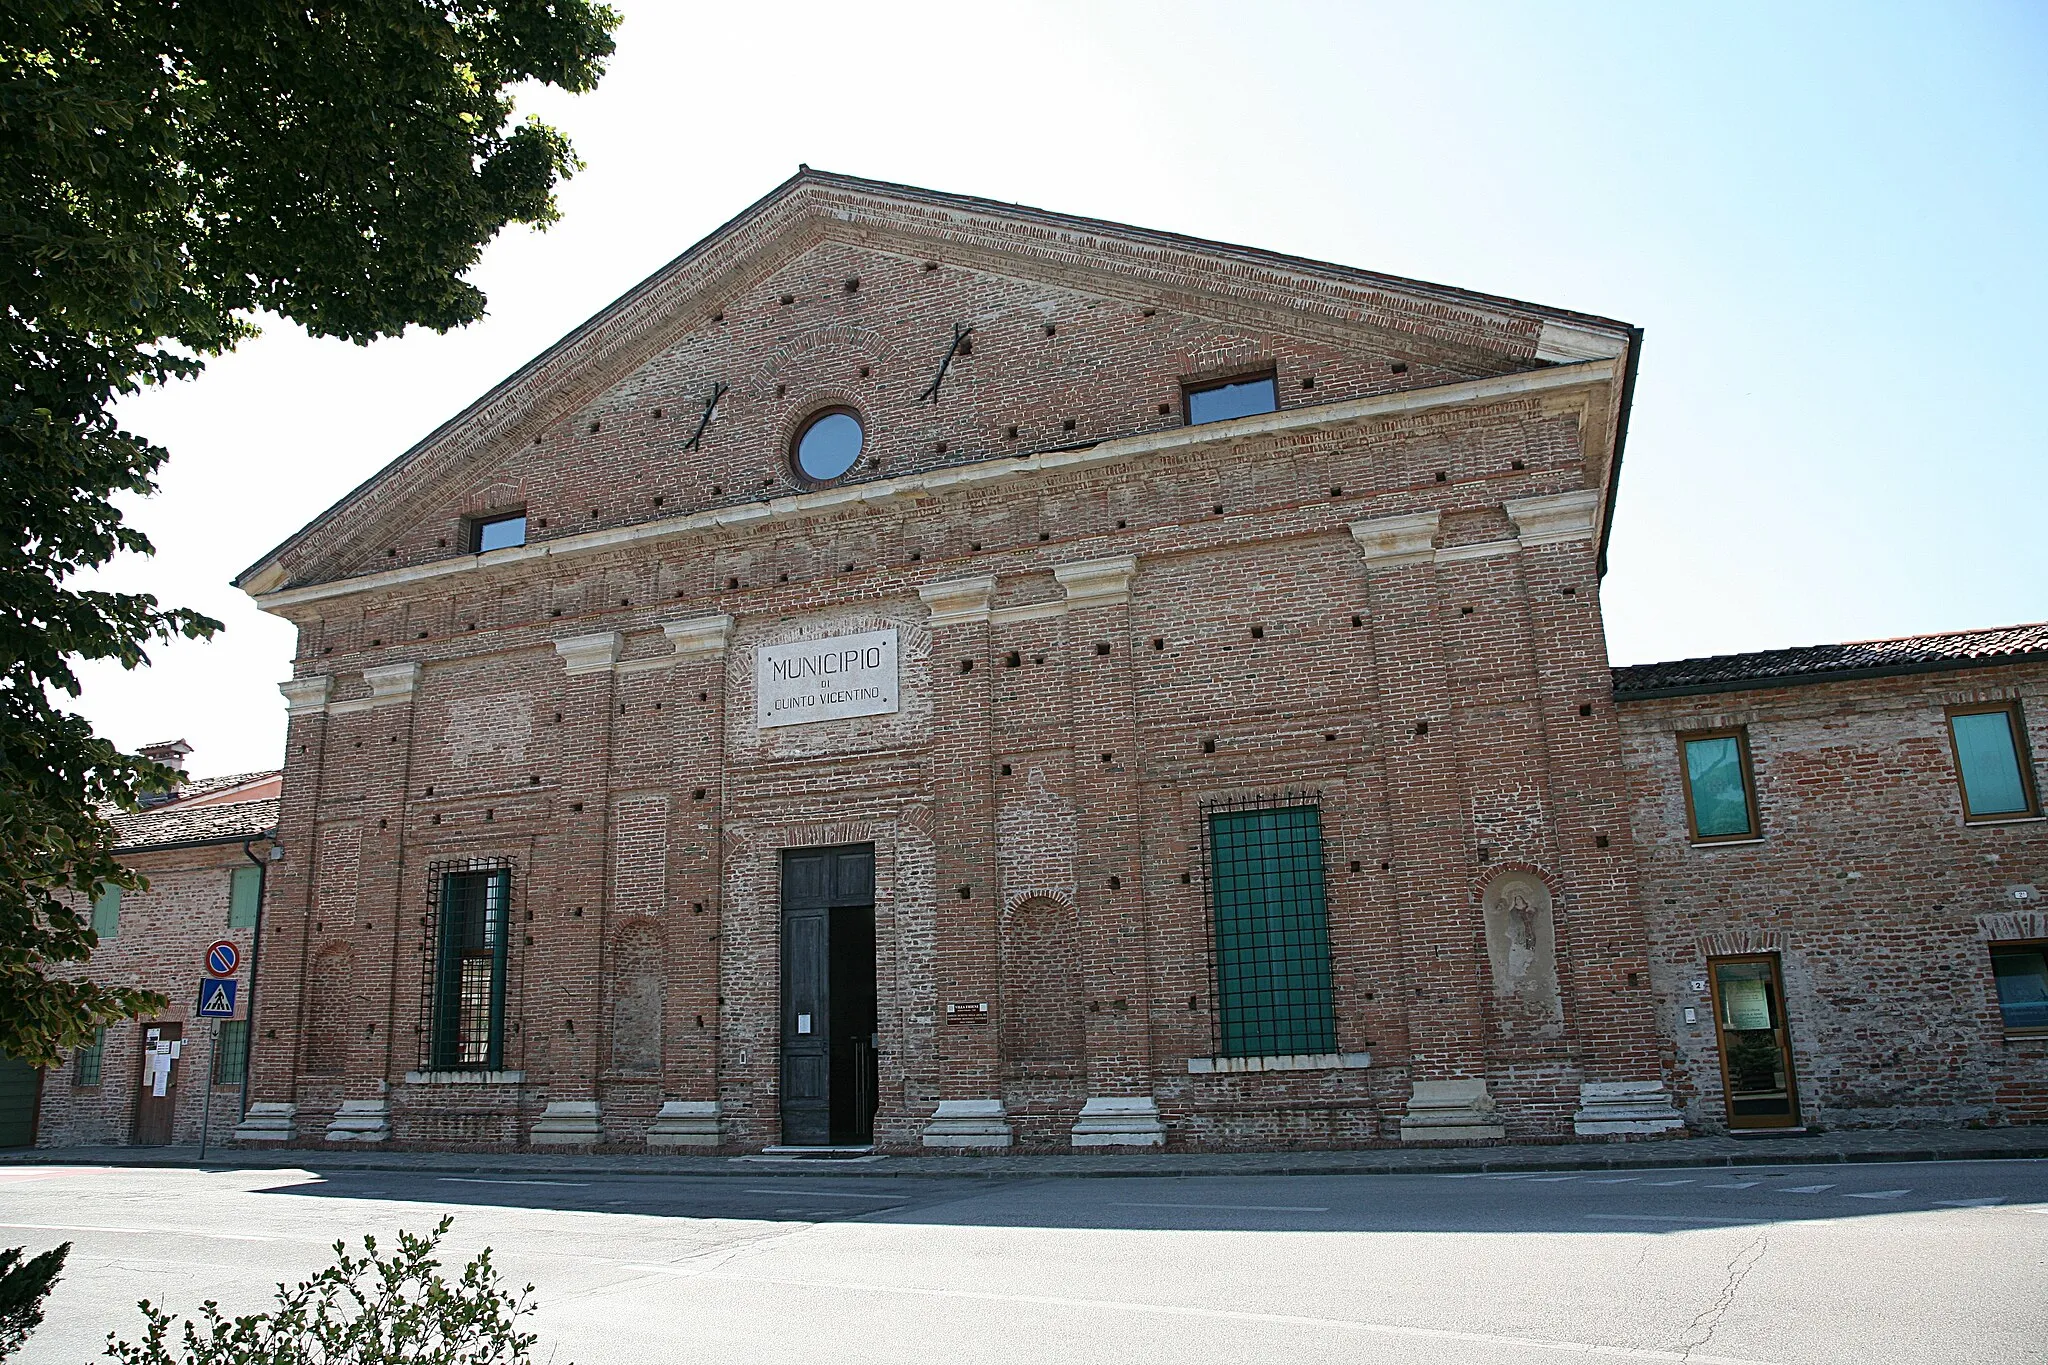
(823, 1099)
(156, 1096)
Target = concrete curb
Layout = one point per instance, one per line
(1468, 1161)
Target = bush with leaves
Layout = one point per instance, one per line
(371, 1309)
(23, 1285)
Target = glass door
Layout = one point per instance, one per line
(1756, 1049)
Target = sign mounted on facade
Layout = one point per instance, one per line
(830, 679)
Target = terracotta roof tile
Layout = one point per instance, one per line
(167, 826)
(1820, 663)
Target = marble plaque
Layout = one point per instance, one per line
(831, 679)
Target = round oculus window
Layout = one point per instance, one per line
(828, 444)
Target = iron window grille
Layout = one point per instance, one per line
(1269, 926)
(85, 1063)
(463, 951)
(231, 1052)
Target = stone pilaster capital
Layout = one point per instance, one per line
(589, 653)
(958, 601)
(1554, 519)
(392, 683)
(1390, 542)
(306, 696)
(1097, 582)
(700, 637)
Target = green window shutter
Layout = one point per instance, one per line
(85, 1063)
(1989, 763)
(106, 913)
(245, 889)
(231, 1053)
(1272, 933)
(1720, 797)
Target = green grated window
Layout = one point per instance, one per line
(231, 1053)
(1271, 931)
(85, 1063)
(467, 935)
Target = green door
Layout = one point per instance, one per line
(20, 1084)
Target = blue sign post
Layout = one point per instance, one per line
(217, 998)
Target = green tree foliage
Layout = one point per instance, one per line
(168, 173)
(362, 1310)
(23, 1286)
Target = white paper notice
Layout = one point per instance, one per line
(832, 679)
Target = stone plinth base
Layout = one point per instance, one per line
(361, 1121)
(1450, 1111)
(268, 1121)
(684, 1123)
(1119, 1121)
(1625, 1109)
(969, 1123)
(568, 1123)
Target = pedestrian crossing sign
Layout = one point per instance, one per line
(217, 999)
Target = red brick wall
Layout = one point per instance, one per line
(1866, 881)
(160, 944)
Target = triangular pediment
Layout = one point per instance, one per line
(836, 286)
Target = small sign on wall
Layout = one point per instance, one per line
(831, 679)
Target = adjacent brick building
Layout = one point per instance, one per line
(203, 848)
(931, 672)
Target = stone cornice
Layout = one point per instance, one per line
(306, 696)
(590, 653)
(392, 682)
(1556, 381)
(1555, 519)
(701, 637)
(958, 601)
(1097, 582)
(1391, 542)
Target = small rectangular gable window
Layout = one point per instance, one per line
(85, 1063)
(245, 889)
(1717, 786)
(106, 913)
(1991, 763)
(231, 1054)
(498, 533)
(1219, 402)
(2021, 971)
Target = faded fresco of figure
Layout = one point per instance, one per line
(1521, 947)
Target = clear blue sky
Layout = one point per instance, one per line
(1831, 222)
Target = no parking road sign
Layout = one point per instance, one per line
(222, 957)
(217, 998)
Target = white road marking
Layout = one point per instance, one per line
(1238, 1208)
(1689, 1180)
(1738, 1185)
(1616, 1180)
(1971, 1203)
(1668, 1218)
(1551, 1179)
(1803, 1189)
(1387, 1329)
(480, 1180)
(1878, 1194)
(148, 1232)
(822, 1194)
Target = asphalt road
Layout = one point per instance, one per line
(1914, 1262)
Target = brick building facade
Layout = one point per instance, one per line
(203, 850)
(932, 672)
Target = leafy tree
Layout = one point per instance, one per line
(362, 1310)
(168, 173)
(23, 1286)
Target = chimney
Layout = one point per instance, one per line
(171, 753)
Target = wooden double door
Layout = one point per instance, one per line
(830, 1072)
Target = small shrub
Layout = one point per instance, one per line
(23, 1284)
(362, 1310)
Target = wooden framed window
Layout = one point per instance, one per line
(497, 533)
(1714, 769)
(245, 890)
(106, 913)
(467, 935)
(231, 1051)
(85, 1063)
(1219, 400)
(1991, 761)
(1270, 929)
(2020, 971)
